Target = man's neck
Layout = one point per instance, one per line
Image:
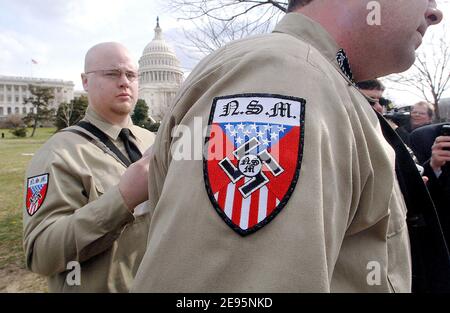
(114, 119)
(121, 121)
(336, 20)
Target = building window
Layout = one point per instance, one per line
(2, 98)
(24, 110)
(31, 110)
(9, 111)
(17, 99)
(24, 88)
(16, 88)
(8, 87)
(16, 110)
(9, 98)
(1, 111)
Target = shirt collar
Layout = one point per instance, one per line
(109, 129)
(302, 27)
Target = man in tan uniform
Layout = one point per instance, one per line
(296, 191)
(80, 198)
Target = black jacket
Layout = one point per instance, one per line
(422, 140)
(430, 255)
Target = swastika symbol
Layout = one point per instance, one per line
(250, 166)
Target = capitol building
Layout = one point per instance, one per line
(14, 91)
(160, 75)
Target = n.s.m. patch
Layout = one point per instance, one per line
(37, 187)
(254, 148)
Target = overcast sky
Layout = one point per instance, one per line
(57, 34)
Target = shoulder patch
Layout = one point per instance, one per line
(254, 149)
(36, 191)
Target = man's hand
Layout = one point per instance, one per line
(133, 184)
(439, 156)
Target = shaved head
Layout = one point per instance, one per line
(111, 95)
(102, 54)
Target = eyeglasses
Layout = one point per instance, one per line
(116, 74)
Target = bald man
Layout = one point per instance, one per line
(83, 226)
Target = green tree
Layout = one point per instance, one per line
(140, 113)
(40, 99)
(71, 113)
(152, 126)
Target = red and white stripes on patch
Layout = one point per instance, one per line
(246, 212)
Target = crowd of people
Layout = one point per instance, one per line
(304, 186)
(429, 144)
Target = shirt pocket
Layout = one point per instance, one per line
(96, 191)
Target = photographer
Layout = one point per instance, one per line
(373, 90)
(431, 144)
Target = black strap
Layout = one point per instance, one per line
(429, 252)
(105, 140)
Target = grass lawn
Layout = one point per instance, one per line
(15, 153)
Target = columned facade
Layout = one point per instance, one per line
(14, 90)
(160, 75)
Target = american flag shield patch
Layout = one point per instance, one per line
(36, 192)
(252, 157)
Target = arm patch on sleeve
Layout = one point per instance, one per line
(254, 150)
(37, 187)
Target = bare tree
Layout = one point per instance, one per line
(216, 22)
(224, 10)
(429, 77)
(64, 113)
(213, 34)
(71, 113)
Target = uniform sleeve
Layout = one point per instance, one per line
(333, 198)
(66, 227)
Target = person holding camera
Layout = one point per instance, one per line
(431, 144)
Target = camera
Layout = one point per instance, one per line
(445, 130)
(399, 118)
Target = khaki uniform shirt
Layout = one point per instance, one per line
(83, 217)
(344, 226)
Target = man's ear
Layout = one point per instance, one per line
(84, 80)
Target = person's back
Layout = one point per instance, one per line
(296, 190)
